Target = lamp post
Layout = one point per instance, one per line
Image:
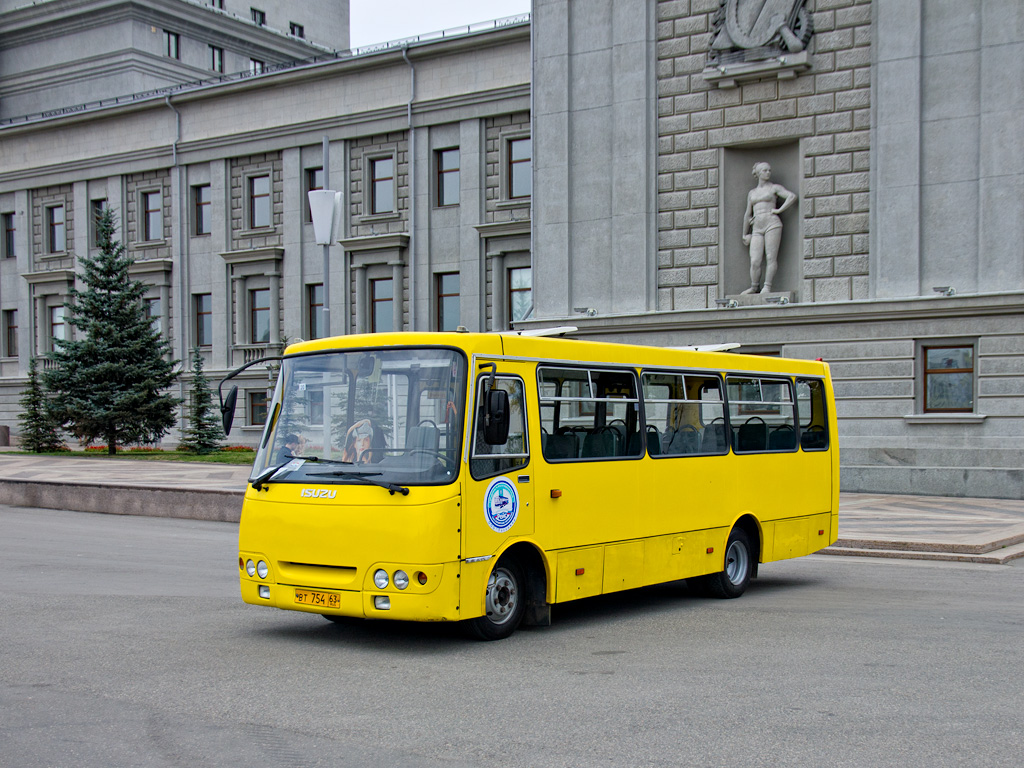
(325, 208)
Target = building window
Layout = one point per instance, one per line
(949, 379)
(258, 17)
(520, 293)
(382, 298)
(448, 177)
(256, 66)
(382, 185)
(152, 216)
(172, 44)
(7, 224)
(10, 333)
(316, 314)
(448, 301)
(202, 198)
(151, 308)
(57, 327)
(314, 181)
(296, 30)
(520, 176)
(217, 59)
(96, 209)
(259, 202)
(259, 316)
(56, 234)
(204, 319)
(218, 4)
(257, 407)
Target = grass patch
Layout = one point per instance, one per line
(233, 456)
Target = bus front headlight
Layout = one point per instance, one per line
(380, 578)
(401, 579)
(262, 569)
(250, 567)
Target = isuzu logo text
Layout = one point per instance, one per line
(317, 493)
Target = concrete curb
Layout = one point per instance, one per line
(146, 501)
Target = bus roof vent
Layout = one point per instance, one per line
(724, 347)
(559, 330)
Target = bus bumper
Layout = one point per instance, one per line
(437, 600)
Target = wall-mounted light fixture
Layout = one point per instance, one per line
(727, 303)
(945, 290)
(588, 311)
(777, 299)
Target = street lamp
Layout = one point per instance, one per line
(325, 207)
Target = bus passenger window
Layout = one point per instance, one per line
(686, 411)
(588, 414)
(488, 460)
(762, 414)
(810, 401)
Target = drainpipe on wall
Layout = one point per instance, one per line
(181, 247)
(412, 192)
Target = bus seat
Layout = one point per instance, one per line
(560, 446)
(752, 435)
(425, 437)
(599, 444)
(684, 441)
(714, 440)
(653, 440)
(782, 438)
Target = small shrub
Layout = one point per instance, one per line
(238, 448)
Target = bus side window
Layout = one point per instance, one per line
(489, 460)
(810, 399)
(762, 414)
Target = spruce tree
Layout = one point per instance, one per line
(203, 432)
(110, 382)
(39, 433)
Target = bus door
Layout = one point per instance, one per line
(498, 501)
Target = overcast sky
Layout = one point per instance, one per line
(378, 21)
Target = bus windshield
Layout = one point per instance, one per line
(391, 417)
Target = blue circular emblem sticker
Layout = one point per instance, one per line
(501, 504)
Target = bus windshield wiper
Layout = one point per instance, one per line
(391, 488)
(267, 474)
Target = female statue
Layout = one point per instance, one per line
(762, 227)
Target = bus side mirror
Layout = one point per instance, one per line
(496, 417)
(227, 410)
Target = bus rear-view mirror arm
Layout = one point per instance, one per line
(227, 404)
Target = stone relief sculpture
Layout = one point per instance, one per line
(762, 227)
(749, 30)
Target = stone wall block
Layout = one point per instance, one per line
(690, 257)
(695, 217)
(691, 25)
(824, 21)
(860, 286)
(798, 86)
(834, 41)
(816, 105)
(818, 227)
(860, 202)
(817, 267)
(862, 161)
(778, 110)
(707, 158)
(853, 58)
(664, 259)
(714, 118)
(668, 278)
(689, 298)
(691, 180)
(693, 102)
(832, 289)
(725, 97)
(832, 204)
(847, 142)
(835, 123)
(761, 91)
(665, 299)
(834, 81)
(673, 9)
(818, 187)
(706, 198)
(704, 236)
(742, 115)
(704, 275)
(838, 245)
(842, 163)
(674, 238)
(852, 182)
(851, 265)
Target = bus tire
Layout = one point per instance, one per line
(733, 579)
(504, 602)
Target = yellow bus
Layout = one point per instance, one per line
(483, 478)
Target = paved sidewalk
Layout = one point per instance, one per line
(870, 525)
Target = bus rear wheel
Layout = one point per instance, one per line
(733, 579)
(504, 602)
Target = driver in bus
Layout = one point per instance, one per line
(288, 451)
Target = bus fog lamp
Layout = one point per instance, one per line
(262, 569)
(264, 591)
(250, 567)
(401, 579)
(380, 578)
(382, 603)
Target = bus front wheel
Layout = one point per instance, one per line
(504, 602)
(733, 579)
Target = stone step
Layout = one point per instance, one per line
(993, 557)
(978, 544)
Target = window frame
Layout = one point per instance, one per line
(443, 174)
(145, 222)
(53, 310)
(312, 185)
(10, 331)
(53, 227)
(760, 413)
(801, 429)
(938, 344)
(510, 292)
(254, 315)
(216, 59)
(9, 244)
(297, 30)
(172, 45)
(253, 199)
(510, 167)
(202, 210)
(259, 18)
(483, 380)
(203, 318)
(440, 296)
(686, 374)
(374, 301)
(371, 188)
(96, 208)
(256, 399)
(257, 66)
(315, 316)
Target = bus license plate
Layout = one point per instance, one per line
(317, 599)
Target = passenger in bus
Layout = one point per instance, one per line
(288, 451)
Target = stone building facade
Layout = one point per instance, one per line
(590, 167)
(898, 124)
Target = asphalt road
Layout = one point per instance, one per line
(123, 643)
